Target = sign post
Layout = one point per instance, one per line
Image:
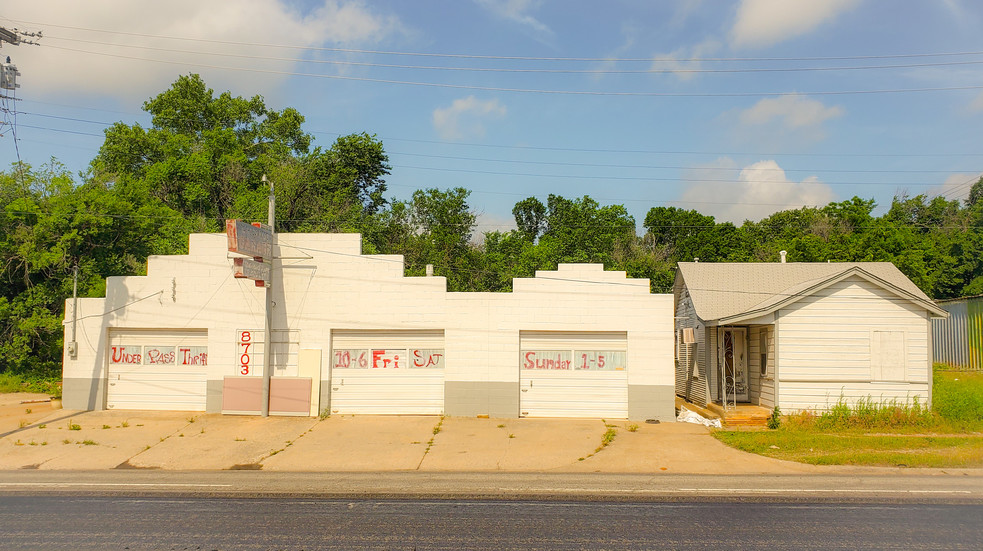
(257, 241)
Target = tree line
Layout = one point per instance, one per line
(201, 160)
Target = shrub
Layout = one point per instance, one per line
(775, 421)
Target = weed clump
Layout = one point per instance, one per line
(775, 420)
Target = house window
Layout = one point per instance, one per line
(763, 350)
(887, 356)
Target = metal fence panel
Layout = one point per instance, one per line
(958, 341)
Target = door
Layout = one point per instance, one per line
(569, 374)
(387, 372)
(735, 365)
(158, 370)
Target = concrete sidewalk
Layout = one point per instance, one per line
(61, 439)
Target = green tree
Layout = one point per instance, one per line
(204, 154)
(49, 226)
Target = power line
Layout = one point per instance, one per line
(593, 165)
(536, 90)
(515, 58)
(670, 167)
(654, 179)
(568, 149)
(650, 70)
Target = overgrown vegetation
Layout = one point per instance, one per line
(201, 161)
(10, 382)
(885, 434)
(865, 414)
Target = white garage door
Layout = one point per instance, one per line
(573, 374)
(387, 372)
(161, 370)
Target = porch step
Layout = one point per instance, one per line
(745, 421)
(745, 415)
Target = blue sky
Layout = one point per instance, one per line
(733, 108)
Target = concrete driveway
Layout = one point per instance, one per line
(33, 436)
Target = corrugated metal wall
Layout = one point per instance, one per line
(958, 341)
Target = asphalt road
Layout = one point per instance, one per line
(868, 487)
(59, 522)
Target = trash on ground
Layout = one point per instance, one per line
(687, 416)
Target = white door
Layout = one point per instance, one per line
(387, 372)
(157, 370)
(567, 374)
(735, 365)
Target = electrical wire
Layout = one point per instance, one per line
(650, 70)
(533, 90)
(596, 150)
(496, 57)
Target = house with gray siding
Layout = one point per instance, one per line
(801, 336)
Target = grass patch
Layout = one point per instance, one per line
(882, 434)
(958, 399)
(10, 383)
(859, 449)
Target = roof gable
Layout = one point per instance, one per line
(731, 292)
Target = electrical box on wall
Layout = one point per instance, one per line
(73, 350)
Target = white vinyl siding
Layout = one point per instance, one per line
(827, 347)
(573, 392)
(386, 389)
(178, 384)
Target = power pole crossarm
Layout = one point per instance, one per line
(11, 37)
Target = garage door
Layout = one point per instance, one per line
(160, 370)
(387, 372)
(573, 374)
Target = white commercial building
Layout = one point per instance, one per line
(351, 334)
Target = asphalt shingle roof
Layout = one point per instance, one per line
(726, 289)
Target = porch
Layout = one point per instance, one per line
(741, 415)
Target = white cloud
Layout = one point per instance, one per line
(73, 60)
(465, 117)
(684, 10)
(790, 113)
(736, 194)
(763, 23)
(517, 11)
(956, 186)
(976, 106)
(682, 61)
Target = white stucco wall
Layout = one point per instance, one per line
(327, 284)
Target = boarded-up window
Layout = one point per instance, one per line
(887, 356)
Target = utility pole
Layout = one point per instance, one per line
(8, 81)
(8, 71)
(73, 347)
(268, 334)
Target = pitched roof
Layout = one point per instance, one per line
(729, 291)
